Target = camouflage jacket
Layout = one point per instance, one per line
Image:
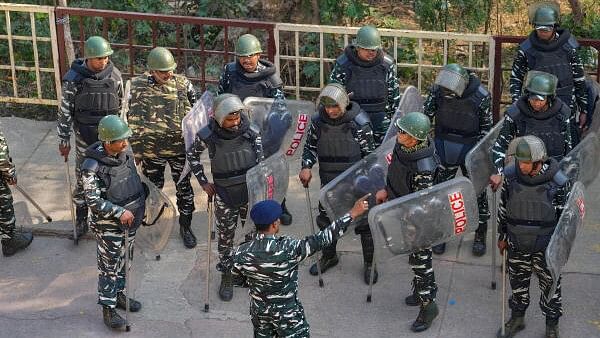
(7, 167)
(224, 83)
(155, 115)
(269, 264)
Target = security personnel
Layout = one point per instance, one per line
(370, 75)
(269, 265)
(234, 146)
(339, 135)
(459, 105)
(252, 76)
(12, 240)
(115, 194)
(552, 49)
(413, 168)
(526, 232)
(91, 89)
(538, 112)
(159, 101)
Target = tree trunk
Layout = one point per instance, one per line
(68, 40)
(316, 17)
(577, 12)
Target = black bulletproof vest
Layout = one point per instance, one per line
(547, 126)
(257, 84)
(553, 58)
(367, 80)
(405, 166)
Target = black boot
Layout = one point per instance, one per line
(185, 230)
(552, 328)
(413, 299)
(134, 305)
(226, 288)
(111, 318)
(367, 274)
(286, 217)
(439, 249)
(427, 314)
(329, 259)
(19, 241)
(515, 324)
(366, 240)
(479, 244)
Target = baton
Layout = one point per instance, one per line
(48, 218)
(494, 238)
(503, 291)
(68, 174)
(127, 325)
(209, 210)
(312, 225)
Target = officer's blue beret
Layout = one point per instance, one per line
(265, 212)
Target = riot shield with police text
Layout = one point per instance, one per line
(411, 101)
(365, 176)
(283, 123)
(424, 218)
(561, 243)
(193, 121)
(479, 159)
(582, 163)
(159, 220)
(268, 179)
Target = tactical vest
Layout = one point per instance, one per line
(93, 100)
(530, 215)
(548, 129)
(405, 166)
(554, 59)
(367, 80)
(230, 159)
(161, 109)
(260, 84)
(337, 148)
(119, 175)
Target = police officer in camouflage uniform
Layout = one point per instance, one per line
(526, 232)
(459, 105)
(339, 135)
(269, 265)
(159, 101)
(552, 49)
(538, 112)
(234, 146)
(91, 89)
(252, 76)
(370, 74)
(413, 168)
(115, 194)
(12, 240)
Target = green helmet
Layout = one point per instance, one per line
(96, 47)
(530, 148)
(226, 104)
(415, 124)
(540, 83)
(247, 45)
(544, 14)
(368, 37)
(112, 128)
(454, 78)
(161, 59)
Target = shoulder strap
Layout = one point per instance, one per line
(560, 178)
(362, 118)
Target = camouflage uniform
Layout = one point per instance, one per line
(226, 215)
(71, 87)
(275, 92)
(155, 118)
(448, 172)
(340, 75)
(7, 170)
(269, 265)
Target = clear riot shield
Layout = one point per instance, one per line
(159, 219)
(193, 121)
(424, 218)
(594, 102)
(125, 100)
(366, 176)
(559, 248)
(283, 123)
(411, 101)
(582, 163)
(269, 179)
(479, 159)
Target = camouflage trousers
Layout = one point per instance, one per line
(154, 169)
(447, 173)
(226, 217)
(7, 213)
(110, 255)
(279, 320)
(424, 281)
(78, 194)
(381, 123)
(520, 267)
